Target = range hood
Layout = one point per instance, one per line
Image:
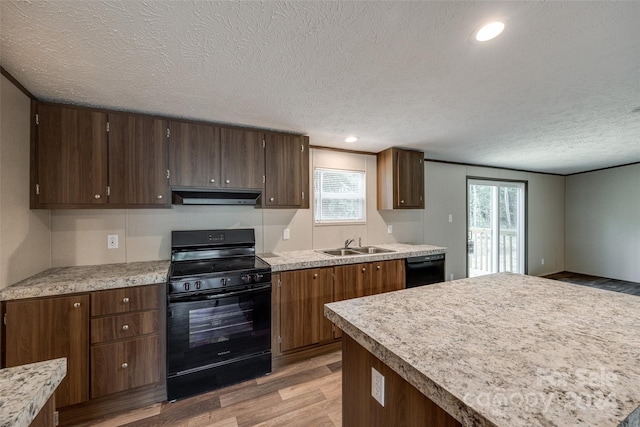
(195, 196)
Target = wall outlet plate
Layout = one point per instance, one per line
(390, 229)
(377, 386)
(112, 241)
(286, 234)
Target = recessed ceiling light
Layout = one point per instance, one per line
(351, 139)
(490, 31)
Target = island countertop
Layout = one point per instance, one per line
(508, 350)
(25, 389)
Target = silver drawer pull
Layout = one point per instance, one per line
(401, 201)
(213, 180)
(125, 365)
(272, 199)
(125, 327)
(159, 196)
(76, 305)
(125, 300)
(364, 269)
(378, 267)
(97, 196)
(315, 276)
(226, 181)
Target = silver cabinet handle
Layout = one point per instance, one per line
(125, 300)
(378, 267)
(76, 304)
(159, 196)
(97, 196)
(401, 202)
(125, 327)
(227, 181)
(125, 365)
(315, 276)
(272, 199)
(364, 269)
(213, 180)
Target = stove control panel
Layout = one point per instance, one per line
(203, 283)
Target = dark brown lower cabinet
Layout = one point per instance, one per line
(40, 329)
(46, 416)
(124, 365)
(404, 405)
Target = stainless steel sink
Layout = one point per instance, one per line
(340, 252)
(364, 250)
(372, 250)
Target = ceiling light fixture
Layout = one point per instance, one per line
(351, 139)
(490, 31)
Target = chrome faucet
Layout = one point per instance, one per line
(359, 242)
(347, 243)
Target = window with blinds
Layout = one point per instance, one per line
(339, 196)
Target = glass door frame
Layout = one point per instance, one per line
(525, 201)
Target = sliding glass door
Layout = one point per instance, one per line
(495, 226)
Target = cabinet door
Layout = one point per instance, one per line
(194, 155)
(303, 294)
(284, 171)
(71, 155)
(409, 179)
(387, 276)
(124, 365)
(49, 328)
(351, 281)
(138, 160)
(242, 158)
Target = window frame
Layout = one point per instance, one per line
(364, 198)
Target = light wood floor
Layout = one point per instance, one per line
(307, 393)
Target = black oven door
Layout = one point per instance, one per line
(205, 330)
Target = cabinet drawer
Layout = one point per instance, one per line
(124, 326)
(122, 300)
(124, 365)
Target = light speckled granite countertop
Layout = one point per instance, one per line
(508, 350)
(25, 389)
(69, 280)
(296, 260)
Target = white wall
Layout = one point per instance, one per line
(24, 234)
(603, 223)
(445, 194)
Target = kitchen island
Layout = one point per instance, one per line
(26, 393)
(500, 350)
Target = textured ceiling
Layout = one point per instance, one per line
(554, 93)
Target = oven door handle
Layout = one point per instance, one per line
(222, 294)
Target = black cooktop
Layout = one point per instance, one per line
(220, 265)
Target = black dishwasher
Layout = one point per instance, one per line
(424, 270)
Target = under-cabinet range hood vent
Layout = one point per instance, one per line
(214, 197)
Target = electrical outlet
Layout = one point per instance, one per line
(390, 229)
(451, 276)
(377, 386)
(286, 234)
(450, 218)
(112, 241)
(542, 261)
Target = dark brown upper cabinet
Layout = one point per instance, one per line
(242, 158)
(194, 155)
(70, 156)
(84, 158)
(400, 179)
(286, 171)
(138, 160)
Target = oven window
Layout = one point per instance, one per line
(218, 324)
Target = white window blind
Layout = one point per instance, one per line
(339, 196)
